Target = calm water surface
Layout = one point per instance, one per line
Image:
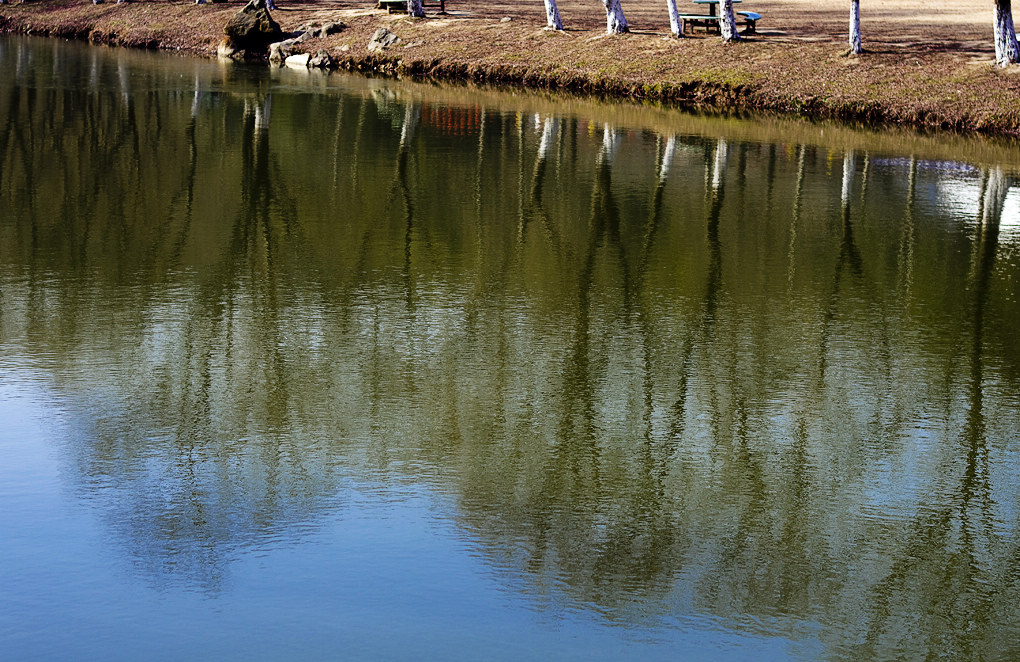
(318, 367)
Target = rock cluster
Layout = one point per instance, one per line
(282, 52)
(382, 38)
(250, 29)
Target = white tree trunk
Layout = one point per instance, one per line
(727, 22)
(615, 21)
(1007, 51)
(552, 16)
(855, 26)
(415, 9)
(676, 26)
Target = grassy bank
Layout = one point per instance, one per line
(937, 74)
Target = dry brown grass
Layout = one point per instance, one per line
(929, 63)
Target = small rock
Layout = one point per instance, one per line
(280, 51)
(228, 50)
(321, 60)
(382, 39)
(505, 19)
(332, 28)
(298, 60)
(345, 48)
(414, 44)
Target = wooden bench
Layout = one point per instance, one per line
(401, 5)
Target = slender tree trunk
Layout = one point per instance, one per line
(676, 26)
(855, 27)
(415, 9)
(727, 22)
(1007, 51)
(615, 21)
(552, 16)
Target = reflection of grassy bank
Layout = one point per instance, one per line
(937, 81)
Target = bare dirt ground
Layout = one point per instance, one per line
(928, 62)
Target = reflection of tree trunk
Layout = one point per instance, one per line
(865, 172)
(770, 179)
(849, 255)
(906, 252)
(951, 545)
(355, 170)
(255, 244)
(975, 490)
(713, 282)
(412, 113)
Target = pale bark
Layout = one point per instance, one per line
(552, 16)
(616, 23)
(855, 27)
(1007, 51)
(676, 26)
(415, 9)
(727, 21)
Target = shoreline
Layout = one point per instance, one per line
(925, 88)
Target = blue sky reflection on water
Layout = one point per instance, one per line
(383, 573)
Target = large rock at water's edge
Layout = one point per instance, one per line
(298, 61)
(253, 28)
(381, 39)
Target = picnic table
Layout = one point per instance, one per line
(711, 19)
(401, 5)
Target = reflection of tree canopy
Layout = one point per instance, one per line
(663, 373)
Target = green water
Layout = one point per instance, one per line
(296, 366)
